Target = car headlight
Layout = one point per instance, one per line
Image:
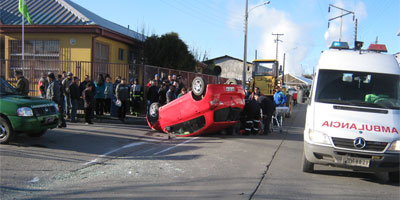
(318, 137)
(24, 112)
(395, 146)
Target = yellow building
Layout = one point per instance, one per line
(64, 37)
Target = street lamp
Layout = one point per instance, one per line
(246, 16)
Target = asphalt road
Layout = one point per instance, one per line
(120, 161)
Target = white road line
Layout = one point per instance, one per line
(173, 147)
(115, 150)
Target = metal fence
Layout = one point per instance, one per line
(33, 69)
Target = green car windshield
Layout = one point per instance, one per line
(6, 88)
(364, 89)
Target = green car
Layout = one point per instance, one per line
(23, 114)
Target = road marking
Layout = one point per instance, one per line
(113, 151)
(34, 180)
(173, 147)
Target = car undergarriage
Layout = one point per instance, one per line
(207, 108)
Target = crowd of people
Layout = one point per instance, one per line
(164, 89)
(99, 96)
(258, 105)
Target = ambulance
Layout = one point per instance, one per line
(353, 115)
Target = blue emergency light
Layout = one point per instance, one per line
(339, 45)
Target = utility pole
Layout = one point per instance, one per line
(277, 42)
(246, 16)
(341, 18)
(283, 70)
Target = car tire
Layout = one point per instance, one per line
(307, 166)
(394, 176)
(37, 134)
(6, 132)
(231, 81)
(198, 88)
(153, 112)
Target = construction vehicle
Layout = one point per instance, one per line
(266, 76)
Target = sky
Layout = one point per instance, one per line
(215, 28)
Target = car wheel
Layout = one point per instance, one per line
(6, 132)
(37, 134)
(153, 112)
(394, 176)
(198, 87)
(307, 165)
(231, 81)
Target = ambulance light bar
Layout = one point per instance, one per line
(377, 47)
(339, 45)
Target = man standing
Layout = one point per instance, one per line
(171, 94)
(61, 103)
(136, 97)
(75, 95)
(65, 86)
(152, 94)
(279, 100)
(22, 83)
(268, 108)
(42, 85)
(122, 94)
(53, 90)
(88, 100)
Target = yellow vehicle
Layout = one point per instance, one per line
(265, 76)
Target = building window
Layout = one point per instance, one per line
(35, 49)
(120, 54)
(39, 56)
(102, 52)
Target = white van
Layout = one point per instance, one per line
(353, 116)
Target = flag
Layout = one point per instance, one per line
(24, 10)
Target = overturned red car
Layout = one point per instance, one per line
(207, 108)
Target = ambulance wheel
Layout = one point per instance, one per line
(307, 165)
(394, 176)
(198, 88)
(153, 113)
(6, 132)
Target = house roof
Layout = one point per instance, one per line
(304, 80)
(59, 12)
(225, 56)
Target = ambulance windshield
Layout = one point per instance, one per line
(358, 89)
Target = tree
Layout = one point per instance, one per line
(168, 51)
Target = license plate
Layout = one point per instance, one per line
(49, 120)
(359, 162)
(230, 89)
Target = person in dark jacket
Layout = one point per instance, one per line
(43, 84)
(122, 94)
(268, 108)
(251, 112)
(162, 94)
(75, 96)
(152, 94)
(88, 99)
(61, 103)
(22, 83)
(66, 82)
(83, 84)
(136, 97)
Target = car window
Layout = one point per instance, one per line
(189, 126)
(6, 88)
